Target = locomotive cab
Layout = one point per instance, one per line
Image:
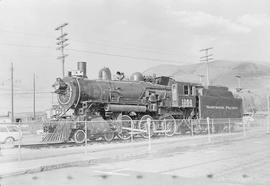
(184, 95)
(164, 80)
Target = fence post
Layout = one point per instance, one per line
(268, 115)
(212, 126)
(165, 127)
(244, 127)
(132, 127)
(229, 125)
(268, 125)
(191, 125)
(85, 127)
(148, 121)
(20, 140)
(48, 127)
(208, 129)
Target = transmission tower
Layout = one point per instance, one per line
(61, 44)
(206, 58)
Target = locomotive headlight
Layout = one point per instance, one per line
(56, 86)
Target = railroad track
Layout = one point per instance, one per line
(97, 141)
(48, 145)
(72, 144)
(91, 142)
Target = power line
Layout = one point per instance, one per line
(26, 46)
(106, 43)
(25, 93)
(134, 48)
(98, 53)
(124, 56)
(26, 33)
(21, 90)
(77, 50)
(125, 45)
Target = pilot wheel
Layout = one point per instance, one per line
(108, 136)
(79, 136)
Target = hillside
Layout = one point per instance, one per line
(254, 76)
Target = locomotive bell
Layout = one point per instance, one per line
(137, 76)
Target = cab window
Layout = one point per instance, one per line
(185, 89)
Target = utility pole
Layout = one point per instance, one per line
(52, 98)
(34, 96)
(12, 95)
(268, 114)
(268, 104)
(206, 58)
(201, 76)
(61, 44)
(239, 81)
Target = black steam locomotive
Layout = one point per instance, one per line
(117, 103)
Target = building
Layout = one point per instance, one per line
(5, 118)
(23, 117)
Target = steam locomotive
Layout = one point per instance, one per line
(117, 103)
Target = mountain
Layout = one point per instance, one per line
(255, 76)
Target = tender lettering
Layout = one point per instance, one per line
(221, 107)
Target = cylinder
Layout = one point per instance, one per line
(81, 66)
(125, 108)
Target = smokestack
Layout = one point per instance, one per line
(81, 66)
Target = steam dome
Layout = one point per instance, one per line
(137, 76)
(105, 74)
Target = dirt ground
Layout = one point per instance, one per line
(231, 162)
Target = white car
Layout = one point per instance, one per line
(248, 118)
(40, 132)
(9, 133)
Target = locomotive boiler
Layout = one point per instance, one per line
(117, 103)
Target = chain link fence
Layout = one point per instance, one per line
(16, 136)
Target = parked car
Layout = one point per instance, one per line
(40, 132)
(248, 117)
(9, 134)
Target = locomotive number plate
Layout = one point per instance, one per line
(186, 102)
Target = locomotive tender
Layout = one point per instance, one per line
(118, 103)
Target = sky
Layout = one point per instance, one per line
(124, 35)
